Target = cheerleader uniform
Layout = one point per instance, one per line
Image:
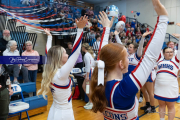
(166, 85)
(152, 76)
(133, 58)
(61, 108)
(121, 94)
(88, 60)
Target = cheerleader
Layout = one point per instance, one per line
(134, 52)
(166, 85)
(56, 75)
(88, 60)
(112, 95)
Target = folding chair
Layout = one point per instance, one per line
(18, 107)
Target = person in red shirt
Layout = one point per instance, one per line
(128, 30)
(147, 29)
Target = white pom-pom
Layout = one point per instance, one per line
(120, 26)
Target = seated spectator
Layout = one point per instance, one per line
(91, 34)
(49, 7)
(11, 50)
(76, 13)
(147, 28)
(4, 40)
(133, 24)
(69, 49)
(88, 25)
(62, 14)
(134, 39)
(90, 13)
(138, 33)
(32, 68)
(132, 32)
(138, 39)
(25, 2)
(127, 25)
(31, 2)
(66, 8)
(69, 16)
(128, 30)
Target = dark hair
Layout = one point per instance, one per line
(92, 29)
(97, 36)
(145, 43)
(135, 45)
(165, 49)
(69, 43)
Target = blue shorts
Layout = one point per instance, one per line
(149, 78)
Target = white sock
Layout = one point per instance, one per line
(161, 118)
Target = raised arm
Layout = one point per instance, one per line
(117, 37)
(67, 67)
(178, 51)
(152, 51)
(49, 40)
(141, 43)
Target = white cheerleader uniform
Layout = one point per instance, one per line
(88, 60)
(166, 84)
(133, 58)
(121, 94)
(61, 108)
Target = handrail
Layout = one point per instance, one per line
(128, 19)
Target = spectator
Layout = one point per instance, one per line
(88, 25)
(128, 30)
(79, 62)
(66, 8)
(90, 13)
(138, 39)
(127, 25)
(69, 49)
(83, 11)
(96, 44)
(62, 14)
(49, 7)
(105, 8)
(91, 34)
(138, 33)
(11, 50)
(133, 24)
(147, 28)
(76, 13)
(132, 32)
(32, 68)
(31, 2)
(4, 40)
(69, 17)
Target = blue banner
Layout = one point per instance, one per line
(22, 59)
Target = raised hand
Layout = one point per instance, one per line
(82, 22)
(104, 20)
(116, 32)
(178, 24)
(47, 31)
(176, 35)
(146, 33)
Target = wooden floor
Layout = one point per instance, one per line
(81, 114)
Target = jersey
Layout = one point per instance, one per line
(133, 61)
(121, 94)
(61, 84)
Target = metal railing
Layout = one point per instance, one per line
(168, 36)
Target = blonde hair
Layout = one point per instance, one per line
(88, 48)
(54, 56)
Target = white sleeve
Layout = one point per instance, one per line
(142, 71)
(87, 63)
(140, 48)
(67, 67)
(118, 39)
(49, 43)
(105, 36)
(178, 51)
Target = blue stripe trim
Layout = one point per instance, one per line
(76, 47)
(62, 86)
(165, 99)
(137, 56)
(175, 64)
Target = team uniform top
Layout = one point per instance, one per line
(61, 84)
(121, 94)
(133, 58)
(166, 85)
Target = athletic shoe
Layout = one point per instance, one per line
(88, 107)
(16, 82)
(150, 110)
(140, 99)
(87, 104)
(178, 100)
(145, 107)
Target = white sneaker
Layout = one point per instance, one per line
(88, 107)
(140, 99)
(87, 104)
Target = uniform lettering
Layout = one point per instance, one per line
(168, 66)
(14, 88)
(115, 116)
(130, 59)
